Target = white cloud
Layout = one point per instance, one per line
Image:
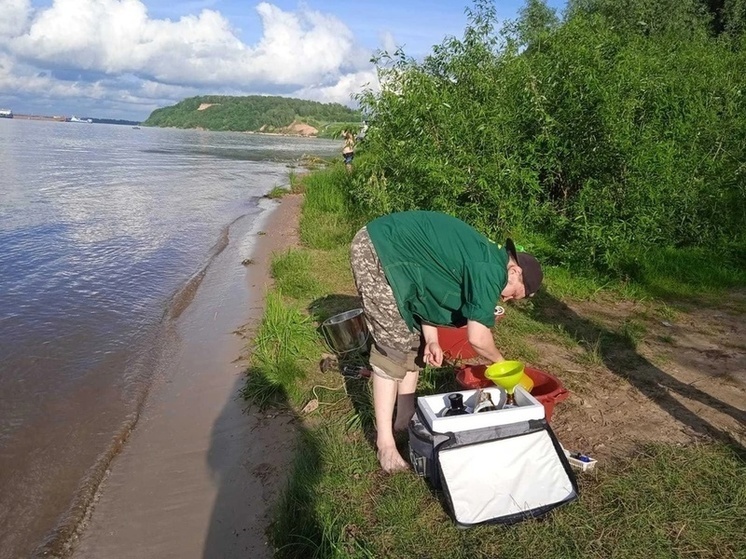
(13, 17)
(202, 51)
(342, 90)
(117, 97)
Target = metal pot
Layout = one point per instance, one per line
(346, 332)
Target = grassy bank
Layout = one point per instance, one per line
(656, 501)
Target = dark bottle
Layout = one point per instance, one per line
(456, 403)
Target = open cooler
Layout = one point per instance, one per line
(500, 466)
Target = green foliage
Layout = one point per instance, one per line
(336, 129)
(252, 113)
(286, 337)
(277, 192)
(328, 219)
(618, 130)
(733, 18)
(291, 271)
(687, 272)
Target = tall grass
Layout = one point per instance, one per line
(286, 337)
(292, 273)
(328, 219)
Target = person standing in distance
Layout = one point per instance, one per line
(348, 150)
(414, 271)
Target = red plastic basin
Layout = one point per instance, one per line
(547, 389)
(472, 376)
(455, 343)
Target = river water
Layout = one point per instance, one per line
(105, 232)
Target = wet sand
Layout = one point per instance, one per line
(199, 474)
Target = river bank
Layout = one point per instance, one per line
(656, 396)
(200, 472)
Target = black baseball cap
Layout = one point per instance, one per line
(532, 274)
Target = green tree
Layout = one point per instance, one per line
(616, 130)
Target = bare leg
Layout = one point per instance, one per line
(384, 398)
(405, 400)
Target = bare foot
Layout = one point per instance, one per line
(390, 460)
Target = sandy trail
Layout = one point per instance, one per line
(200, 472)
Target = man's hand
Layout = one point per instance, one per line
(433, 354)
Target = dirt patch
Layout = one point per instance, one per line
(297, 128)
(643, 373)
(301, 129)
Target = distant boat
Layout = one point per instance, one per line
(6, 113)
(135, 128)
(76, 119)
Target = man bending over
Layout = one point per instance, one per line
(414, 271)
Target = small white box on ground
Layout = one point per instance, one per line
(526, 408)
(580, 461)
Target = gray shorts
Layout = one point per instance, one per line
(395, 349)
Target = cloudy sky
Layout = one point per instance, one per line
(124, 58)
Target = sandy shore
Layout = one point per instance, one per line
(200, 472)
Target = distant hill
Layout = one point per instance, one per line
(256, 113)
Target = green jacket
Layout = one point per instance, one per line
(440, 269)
